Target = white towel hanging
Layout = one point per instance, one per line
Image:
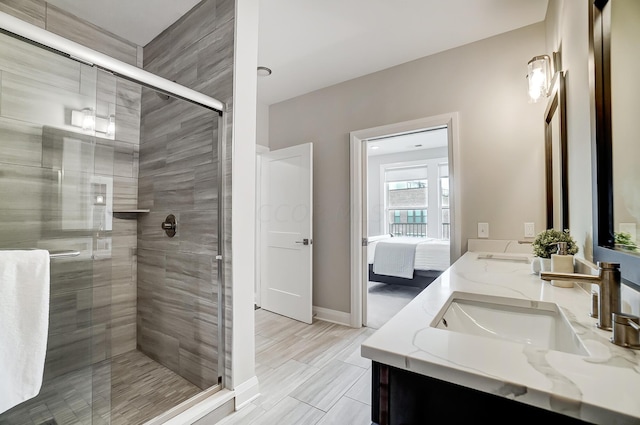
(24, 324)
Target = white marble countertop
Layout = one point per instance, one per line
(603, 387)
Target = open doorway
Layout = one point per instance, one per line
(404, 213)
(409, 224)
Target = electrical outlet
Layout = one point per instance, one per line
(483, 230)
(529, 230)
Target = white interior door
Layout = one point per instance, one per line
(286, 219)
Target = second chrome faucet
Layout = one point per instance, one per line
(608, 279)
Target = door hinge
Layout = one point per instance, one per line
(365, 242)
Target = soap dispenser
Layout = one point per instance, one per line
(562, 262)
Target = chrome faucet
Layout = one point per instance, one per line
(608, 279)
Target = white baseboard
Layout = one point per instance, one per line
(333, 316)
(247, 392)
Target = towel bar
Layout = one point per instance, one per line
(63, 254)
(55, 254)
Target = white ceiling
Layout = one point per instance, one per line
(138, 21)
(312, 44)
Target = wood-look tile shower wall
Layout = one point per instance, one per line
(177, 291)
(92, 301)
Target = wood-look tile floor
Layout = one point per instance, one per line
(129, 390)
(67, 399)
(141, 389)
(309, 374)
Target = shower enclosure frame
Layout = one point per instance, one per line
(42, 38)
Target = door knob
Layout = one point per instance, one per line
(305, 242)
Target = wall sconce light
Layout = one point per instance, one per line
(89, 121)
(111, 125)
(539, 77)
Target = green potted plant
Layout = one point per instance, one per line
(624, 241)
(545, 244)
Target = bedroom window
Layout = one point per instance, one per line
(407, 193)
(396, 216)
(445, 220)
(416, 216)
(416, 198)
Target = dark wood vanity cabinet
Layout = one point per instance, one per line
(400, 397)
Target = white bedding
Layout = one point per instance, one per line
(430, 254)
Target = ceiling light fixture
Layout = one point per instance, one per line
(375, 147)
(539, 77)
(263, 71)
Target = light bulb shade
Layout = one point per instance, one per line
(111, 125)
(88, 119)
(538, 77)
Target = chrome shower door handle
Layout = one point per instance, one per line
(305, 242)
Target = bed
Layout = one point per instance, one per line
(406, 260)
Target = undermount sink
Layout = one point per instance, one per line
(537, 323)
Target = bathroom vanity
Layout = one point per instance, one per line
(489, 342)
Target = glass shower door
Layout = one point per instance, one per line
(91, 164)
(52, 196)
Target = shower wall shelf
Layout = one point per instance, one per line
(129, 214)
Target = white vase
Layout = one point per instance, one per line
(535, 266)
(545, 264)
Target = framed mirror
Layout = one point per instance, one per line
(616, 146)
(556, 162)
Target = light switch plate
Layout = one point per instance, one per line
(483, 230)
(529, 230)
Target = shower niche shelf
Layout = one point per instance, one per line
(131, 214)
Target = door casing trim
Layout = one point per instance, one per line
(358, 197)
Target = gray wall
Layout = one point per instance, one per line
(501, 141)
(262, 124)
(58, 21)
(177, 277)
